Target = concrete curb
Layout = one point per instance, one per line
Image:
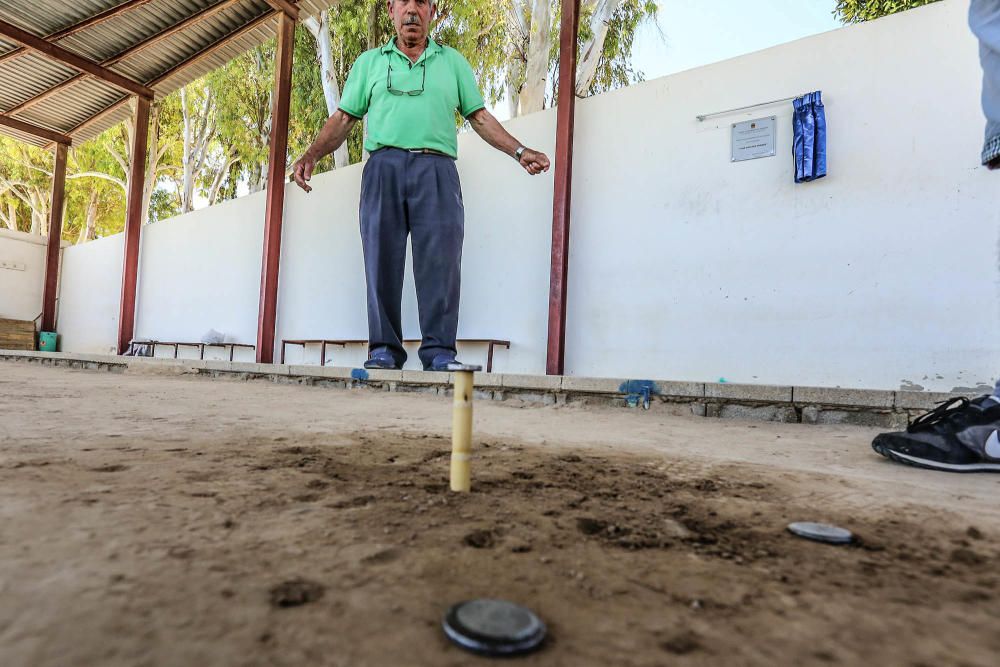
(809, 405)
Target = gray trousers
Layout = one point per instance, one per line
(416, 195)
(984, 19)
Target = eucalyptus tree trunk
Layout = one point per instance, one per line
(532, 96)
(199, 130)
(154, 155)
(592, 50)
(90, 224)
(10, 219)
(518, 26)
(320, 30)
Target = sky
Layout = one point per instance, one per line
(692, 33)
(699, 32)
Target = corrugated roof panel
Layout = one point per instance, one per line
(44, 17)
(218, 58)
(111, 37)
(64, 112)
(149, 63)
(29, 75)
(106, 122)
(86, 107)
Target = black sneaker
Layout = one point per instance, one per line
(957, 436)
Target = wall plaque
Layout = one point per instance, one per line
(753, 139)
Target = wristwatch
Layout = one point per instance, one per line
(519, 152)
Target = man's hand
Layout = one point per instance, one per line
(486, 126)
(333, 134)
(534, 162)
(302, 171)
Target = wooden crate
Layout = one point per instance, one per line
(17, 335)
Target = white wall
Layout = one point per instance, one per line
(682, 265)
(89, 296)
(201, 271)
(686, 266)
(22, 274)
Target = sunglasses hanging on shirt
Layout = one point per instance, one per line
(411, 93)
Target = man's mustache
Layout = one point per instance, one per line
(411, 20)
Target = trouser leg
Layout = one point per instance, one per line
(437, 225)
(383, 236)
(984, 19)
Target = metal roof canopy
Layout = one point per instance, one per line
(68, 67)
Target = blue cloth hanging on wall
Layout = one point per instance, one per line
(809, 144)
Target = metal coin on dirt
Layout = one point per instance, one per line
(494, 627)
(821, 532)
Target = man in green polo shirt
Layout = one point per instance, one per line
(411, 88)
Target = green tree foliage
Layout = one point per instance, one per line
(857, 11)
(478, 29)
(356, 27)
(308, 108)
(95, 193)
(240, 95)
(25, 183)
(244, 88)
(615, 67)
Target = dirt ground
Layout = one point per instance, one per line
(153, 520)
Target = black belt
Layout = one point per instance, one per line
(422, 151)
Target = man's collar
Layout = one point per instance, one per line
(432, 47)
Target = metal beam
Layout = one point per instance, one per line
(51, 285)
(133, 225)
(34, 130)
(562, 195)
(73, 60)
(267, 313)
(96, 19)
(285, 6)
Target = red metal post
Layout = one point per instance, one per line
(133, 225)
(562, 196)
(267, 313)
(55, 236)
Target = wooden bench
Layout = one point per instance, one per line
(177, 344)
(341, 342)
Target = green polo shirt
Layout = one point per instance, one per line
(426, 120)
